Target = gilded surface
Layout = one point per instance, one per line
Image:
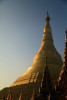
(54, 60)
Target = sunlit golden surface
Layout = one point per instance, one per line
(54, 60)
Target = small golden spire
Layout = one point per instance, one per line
(47, 17)
(47, 25)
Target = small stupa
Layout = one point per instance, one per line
(61, 87)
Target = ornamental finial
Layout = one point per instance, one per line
(47, 17)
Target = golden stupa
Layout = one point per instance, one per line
(54, 60)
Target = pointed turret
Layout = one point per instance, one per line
(47, 25)
(47, 17)
(46, 85)
(63, 74)
(62, 80)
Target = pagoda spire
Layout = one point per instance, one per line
(47, 35)
(46, 86)
(54, 59)
(63, 73)
(47, 17)
(47, 25)
(62, 80)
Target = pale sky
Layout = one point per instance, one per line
(21, 29)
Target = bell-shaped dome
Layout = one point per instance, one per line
(54, 60)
